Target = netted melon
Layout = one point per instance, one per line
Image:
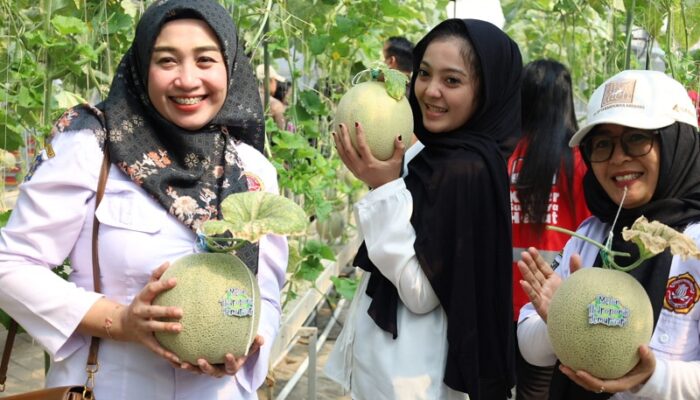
(382, 117)
(597, 320)
(220, 302)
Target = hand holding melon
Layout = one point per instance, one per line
(369, 120)
(217, 293)
(599, 318)
(381, 108)
(637, 376)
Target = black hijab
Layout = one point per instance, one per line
(188, 172)
(461, 215)
(676, 203)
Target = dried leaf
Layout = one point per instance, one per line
(653, 237)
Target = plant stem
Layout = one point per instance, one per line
(628, 40)
(589, 240)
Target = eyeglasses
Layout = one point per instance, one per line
(600, 148)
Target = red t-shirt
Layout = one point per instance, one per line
(561, 212)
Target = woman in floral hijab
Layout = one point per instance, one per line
(183, 127)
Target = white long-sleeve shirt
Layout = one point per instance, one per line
(676, 338)
(366, 359)
(53, 220)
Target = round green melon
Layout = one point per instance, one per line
(220, 302)
(332, 227)
(382, 117)
(597, 320)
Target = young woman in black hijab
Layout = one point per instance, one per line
(642, 148)
(183, 126)
(433, 315)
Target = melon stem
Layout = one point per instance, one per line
(608, 254)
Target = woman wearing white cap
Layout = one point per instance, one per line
(642, 148)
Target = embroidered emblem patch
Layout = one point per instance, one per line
(607, 311)
(682, 292)
(255, 184)
(236, 303)
(618, 92)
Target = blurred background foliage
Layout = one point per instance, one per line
(57, 53)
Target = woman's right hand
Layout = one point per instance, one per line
(362, 163)
(540, 282)
(140, 319)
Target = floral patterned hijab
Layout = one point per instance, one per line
(188, 172)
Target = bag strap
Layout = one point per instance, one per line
(92, 365)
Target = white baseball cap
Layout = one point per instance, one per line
(638, 99)
(260, 73)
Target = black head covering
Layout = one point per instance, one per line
(461, 215)
(676, 203)
(188, 172)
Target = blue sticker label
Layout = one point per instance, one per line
(237, 303)
(607, 311)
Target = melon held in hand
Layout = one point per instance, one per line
(597, 320)
(599, 317)
(220, 302)
(217, 292)
(383, 116)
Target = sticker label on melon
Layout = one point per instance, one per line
(608, 311)
(237, 303)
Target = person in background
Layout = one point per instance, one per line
(398, 54)
(183, 128)
(546, 179)
(276, 107)
(642, 149)
(432, 317)
(696, 101)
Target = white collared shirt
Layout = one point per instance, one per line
(366, 360)
(53, 219)
(676, 338)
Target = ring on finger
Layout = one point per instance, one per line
(601, 390)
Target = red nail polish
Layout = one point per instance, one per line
(357, 124)
(399, 138)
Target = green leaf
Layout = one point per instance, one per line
(395, 82)
(318, 44)
(318, 249)
(345, 287)
(66, 99)
(4, 217)
(294, 256)
(68, 25)
(312, 102)
(129, 7)
(11, 140)
(119, 23)
(343, 24)
(310, 269)
(250, 215)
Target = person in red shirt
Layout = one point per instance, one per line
(696, 101)
(545, 187)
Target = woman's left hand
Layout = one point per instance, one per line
(230, 366)
(638, 375)
(362, 163)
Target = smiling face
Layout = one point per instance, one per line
(639, 174)
(187, 77)
(445, 87)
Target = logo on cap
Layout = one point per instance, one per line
(618, 93)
